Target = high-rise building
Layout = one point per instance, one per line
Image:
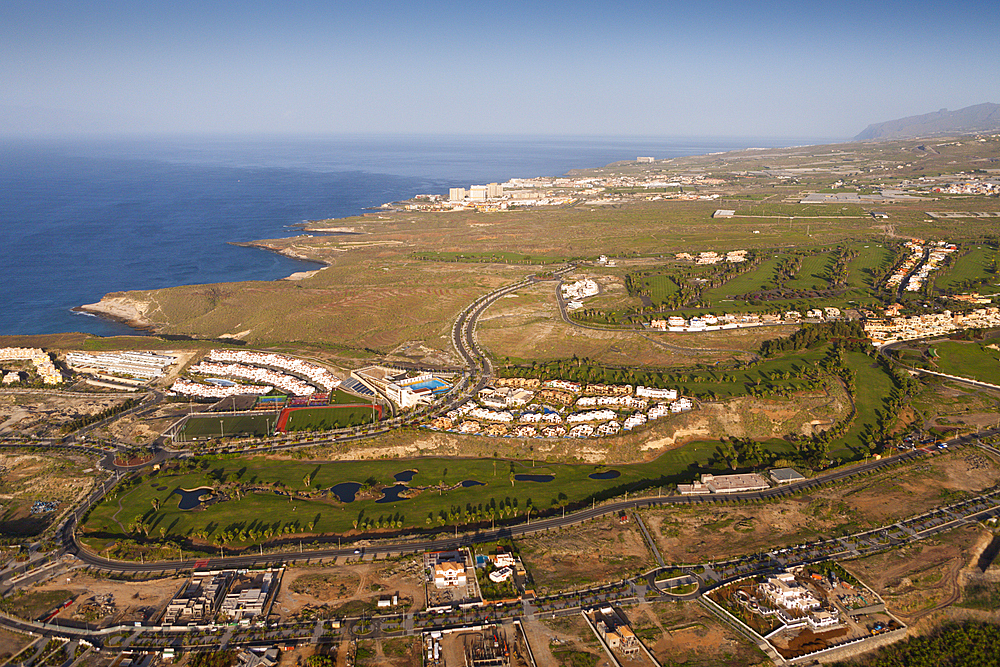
(456, 194)
(478, 193)
(494, 190)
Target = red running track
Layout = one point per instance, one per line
(285, 412)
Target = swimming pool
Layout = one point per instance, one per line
(436, 386)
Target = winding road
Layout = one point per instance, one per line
(479, 372)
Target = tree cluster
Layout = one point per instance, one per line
(968, 644)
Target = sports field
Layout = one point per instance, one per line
(226, 426)
(326, 418)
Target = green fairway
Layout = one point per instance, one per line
(970, 360)
(871, 257)
(780, 373)
(267, 511)
(970, 270)
(812, 275)
(872, 385)
(223, 425)
(659, 287)
(760, 277)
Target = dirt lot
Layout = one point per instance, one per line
(334, 586)
(693, 534)
(561, 641)
(529, 326)
(759, 418)
(26, 478)
(98, 600)
(395, 652)
(921, 578)
(949, 405)
(683, 632)
(631, 448)
(43, 413)
(11, 643)
(597, 551)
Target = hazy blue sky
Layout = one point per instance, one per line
(697, 68)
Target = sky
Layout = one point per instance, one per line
(711, 68)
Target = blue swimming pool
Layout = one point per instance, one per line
(436, 386)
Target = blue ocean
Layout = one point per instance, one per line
(81, 218)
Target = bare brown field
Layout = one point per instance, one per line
(558, 641)
(11, 643)
(597, 551)
(684, 633)
(643, 445)
(950, 405)
(102, 601)
(43, 414)
(331, 587)
(529, 327)
(742, 416)
(26, 478)
(688, 535)
(922, 578)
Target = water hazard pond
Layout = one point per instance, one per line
(524, 477)
(346, 491)
(390, 494)
(606, 474)
(191, 499)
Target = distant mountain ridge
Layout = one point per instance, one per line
(977, 118)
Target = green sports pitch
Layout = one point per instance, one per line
(205, 428)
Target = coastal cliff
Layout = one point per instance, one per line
(122, 307)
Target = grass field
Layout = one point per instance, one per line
(202, 428)
(757, 278)
(971, 360)
(872, 385)
(323, 419)
(811, 275)
(971, 267)
(660, 287)
(286, 514)
(871, 256)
